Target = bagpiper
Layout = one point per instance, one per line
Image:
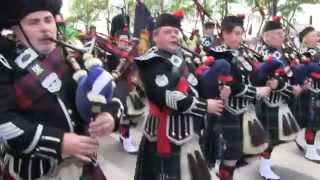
(124, 70)
(276, 116)
(40, 125)
(307, 104)
(238, 126)
(169, 149)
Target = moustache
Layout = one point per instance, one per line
(46, 37)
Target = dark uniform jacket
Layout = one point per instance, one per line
(161, 73)
(175, 116)
(33, 120)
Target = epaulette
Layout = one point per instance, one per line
(310, 51)
(150, 54)
(220, 49)
(6, 49)
(221, 52)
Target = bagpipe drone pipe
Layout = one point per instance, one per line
(93, 94)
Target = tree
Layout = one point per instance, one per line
(87, 11)
(265, 4)
(155, 6)
(288, 9)
(218, 7)
(186, 6)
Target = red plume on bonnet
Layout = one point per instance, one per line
(179, 14)
(276, 18)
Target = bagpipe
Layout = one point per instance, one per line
(306, 74)
(105, 45)
(290, 64)
(301, 64)
(258, 67)
(265, 67)
(125, 70)
(93, 94)
(125, 56)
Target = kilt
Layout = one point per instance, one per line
(232, 134)
(301, 109)
(184, 163)
(279, 122)
(231, 129)
(242, 135)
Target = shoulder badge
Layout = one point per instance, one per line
(192, 80)
(151, 53)
(313, 52)
(162, 80)
(27, 57)
(176, 60)
(206, 42)
(277, 55)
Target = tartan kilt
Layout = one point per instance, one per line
(301, 110)
(184, 163)
(149, 162)
(233, 135)
(299, 106)
(238, 140)
(255, 138)
(276, 126)
(230, 126)
(209, 142)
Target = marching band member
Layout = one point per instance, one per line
(169, 148)
(308, 108)
(40, 125)
(276, 115)
(239, 125)
(120, 34)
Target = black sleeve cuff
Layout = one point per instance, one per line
(249, 92)
(198, 108)
(287, 91)
(50, 143)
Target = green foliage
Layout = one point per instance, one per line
(87, 11)
(211, 6)
(68, 33)
(155, 6)
(186, 6)
(287, 9)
